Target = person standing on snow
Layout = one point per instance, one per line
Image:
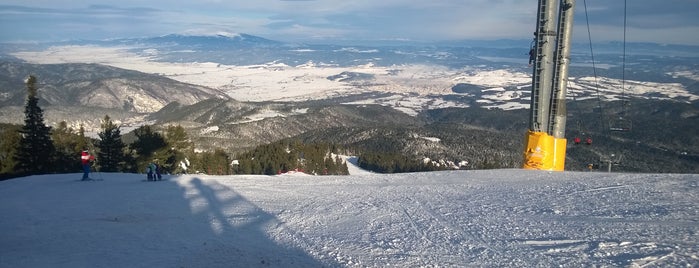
(149, 173)
(153, 170)
(86, 159)
(156, 174)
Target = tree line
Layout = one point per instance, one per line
(393, 163)
(35, 148)
(292, 155)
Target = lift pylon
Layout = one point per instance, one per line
(545, 143)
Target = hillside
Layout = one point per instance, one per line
(449, 102)
(75, 92)
(663, 138)
(497, 218)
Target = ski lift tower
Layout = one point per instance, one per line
(545, 143)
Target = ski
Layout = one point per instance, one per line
(90, 179)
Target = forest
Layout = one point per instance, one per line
(35, 148)
(382, 140)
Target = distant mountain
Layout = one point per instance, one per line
(466, 104)
(93, 85)
(84, 87)
(206, 42)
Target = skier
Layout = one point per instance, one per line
(86, 159)
(152, 171)
(157, 172)
(149, 172)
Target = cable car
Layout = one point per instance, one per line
(620, 124)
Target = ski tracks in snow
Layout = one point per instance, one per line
(382, 221)
(447, 244)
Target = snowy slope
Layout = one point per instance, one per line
(495, 218)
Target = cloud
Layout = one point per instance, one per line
(660, 21)
(648, 20)
(96, 21)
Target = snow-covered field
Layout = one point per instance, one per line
(411, 87)
(493, 218)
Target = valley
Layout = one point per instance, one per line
(472, 101)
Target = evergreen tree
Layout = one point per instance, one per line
(35, 150)
(177, 138)
(67, 146)
(180, 148)
(284, 156)
(9, 142)
(147, 146)
(215, 163)
(82, 140)
(111, 149)
(341, 166)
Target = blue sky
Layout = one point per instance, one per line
(659, 21)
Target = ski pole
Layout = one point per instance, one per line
(99, 174)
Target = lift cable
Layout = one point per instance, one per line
(623, 68)
(594, 69)
(620, 123)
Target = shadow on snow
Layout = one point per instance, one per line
(122, 222)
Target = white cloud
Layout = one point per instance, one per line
(332, 19)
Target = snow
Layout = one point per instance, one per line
(409, 104)
(491, 218)
(432, 139)
(694, 75)
(209, 129)
(412, 87)
(270, 113)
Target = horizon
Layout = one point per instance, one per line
(501, 43)
(313, 21)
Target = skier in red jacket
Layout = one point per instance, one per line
(86, 159)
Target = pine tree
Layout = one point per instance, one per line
(82, 140)
(9, 142)
(179, 149)
(67, 150)
(111, 149)
(147, 146)
(215, 163)
(35, 150)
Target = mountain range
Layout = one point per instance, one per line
(444, 102)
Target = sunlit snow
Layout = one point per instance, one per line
(489, 218)
(417, 86)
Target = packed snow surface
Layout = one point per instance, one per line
(495, 218)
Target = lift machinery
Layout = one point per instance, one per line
(545, 143)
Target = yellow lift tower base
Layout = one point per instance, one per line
(544, 152)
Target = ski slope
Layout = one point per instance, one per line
(493, 218)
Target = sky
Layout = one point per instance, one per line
(330, 21)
